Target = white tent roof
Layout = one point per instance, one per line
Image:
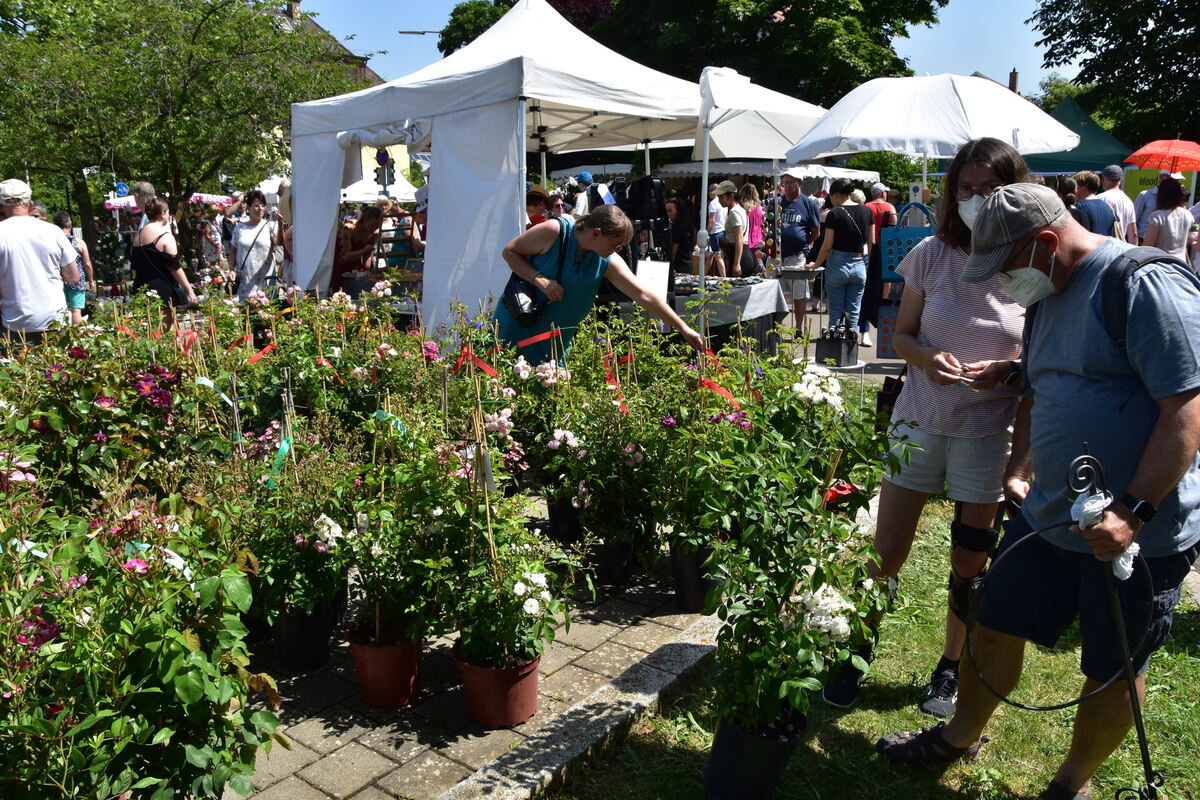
(746, 120)
(367, 191)
(582, 92)
(932, 115)
(763, 169)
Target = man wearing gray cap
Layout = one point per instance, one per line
(1111, 178)
(35, 258)
(1112, 358)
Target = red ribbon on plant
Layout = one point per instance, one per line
(189, 338)
(254, 359)
(712, 386)
(466, 354)
(541, 337)
(755, 393)
(123, 329)
(610, 377)
(838, 492)
(244, 337)
(324, 362)
(625, 359)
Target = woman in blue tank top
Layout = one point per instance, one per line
(590, 256)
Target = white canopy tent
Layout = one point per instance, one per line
(484, 106)
(739, 118)
(764, 169)
(368, 191)
(932, 117)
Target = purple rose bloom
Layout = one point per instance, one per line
(100, 437)
(161, 398)
(669, 422)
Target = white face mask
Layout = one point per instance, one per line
(968, 210)
(1029, 285)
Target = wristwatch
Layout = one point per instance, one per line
(1142, 509)
(1014, 372)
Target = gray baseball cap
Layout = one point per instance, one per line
(1012, 214)
(1113, 172)
(14, 192)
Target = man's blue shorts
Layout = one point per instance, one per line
(1038, 590)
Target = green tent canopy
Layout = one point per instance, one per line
(1097, 147)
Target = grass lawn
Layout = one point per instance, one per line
(665, 755)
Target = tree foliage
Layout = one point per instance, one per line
(816, 52)
(1141, 59)
(175, 91)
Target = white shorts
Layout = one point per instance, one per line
(967, 469)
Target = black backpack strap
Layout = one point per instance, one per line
(1115, 282)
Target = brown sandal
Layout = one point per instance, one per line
(927, 747)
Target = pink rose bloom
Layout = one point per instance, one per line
(104, 401)
(136, 565)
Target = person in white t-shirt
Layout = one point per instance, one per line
(717, 214)
(735, 240)
(35, 258)
(1111, 179)
(1169, 225)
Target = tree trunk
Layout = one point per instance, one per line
(87, 213)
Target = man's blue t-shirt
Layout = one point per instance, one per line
(796, 218)
(1086, 390)
(1100, 216)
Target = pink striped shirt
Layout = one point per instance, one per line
(973, 322)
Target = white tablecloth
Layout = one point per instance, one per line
(742, 303)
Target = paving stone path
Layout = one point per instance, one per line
(345, 749)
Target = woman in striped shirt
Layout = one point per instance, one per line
(949, 332)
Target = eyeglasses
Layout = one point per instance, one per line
(964, 191)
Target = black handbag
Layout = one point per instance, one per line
(885, 401)
(524, 300)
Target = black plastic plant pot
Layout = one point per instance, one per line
(691, 584)
(748, 766)
(564, 522)
(303, 639)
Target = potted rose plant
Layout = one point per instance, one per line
(299, 538)
(123, 669)
(510, 602)
(402, 551)
(796, 596)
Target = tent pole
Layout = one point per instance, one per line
(646, 151)
(702, 231)
(542, 154)
(522, 133)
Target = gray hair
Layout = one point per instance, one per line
(144, 189)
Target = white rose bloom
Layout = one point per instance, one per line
(520, 589)
(437, 512)
(538, 579)
(327, 529)
(532, 606)
(545, 596)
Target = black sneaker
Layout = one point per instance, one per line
(940, 694)
(842, 690)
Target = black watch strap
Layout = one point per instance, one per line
(1014, 372)
(1142, 509)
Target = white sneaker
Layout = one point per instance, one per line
(865, 340)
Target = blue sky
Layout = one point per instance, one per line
(988, 36)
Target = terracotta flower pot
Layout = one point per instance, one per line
(500, 697)
(387, 673)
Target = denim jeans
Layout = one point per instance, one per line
(845, 280)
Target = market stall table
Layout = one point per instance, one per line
(757, 307)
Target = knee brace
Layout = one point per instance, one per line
(977, 540)
(964, 593)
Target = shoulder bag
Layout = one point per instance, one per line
(525, 301)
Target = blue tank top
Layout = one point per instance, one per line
(582, 272)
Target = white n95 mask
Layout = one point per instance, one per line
(1028, 285)
(968, 210)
